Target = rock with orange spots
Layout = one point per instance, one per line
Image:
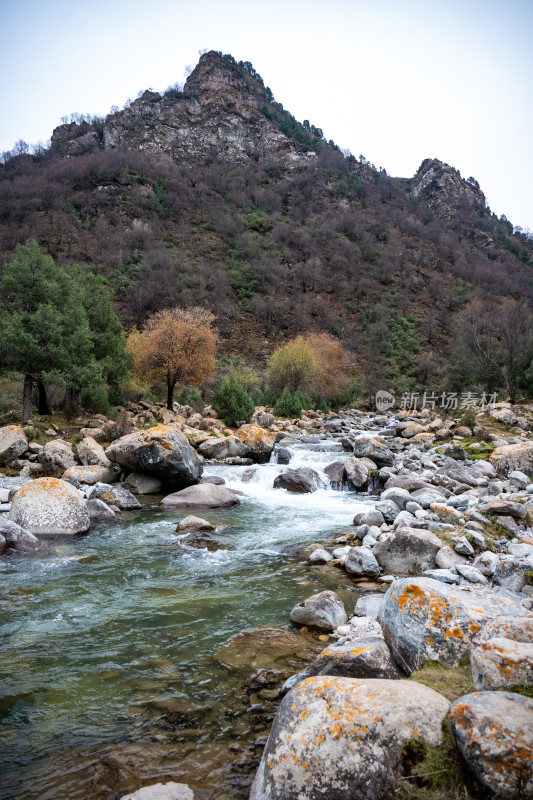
(373, 448)
(50, 507)
(518, 628)
(56, 457)
(323, 611)
(13, 443)
(162, 451)
(511, 457)
(259, 442)
(501, 663)
(515, 510)
(408, 551)
(493, 733)
(425, 619)
(342, 738)
(94, 473)
(511, 572)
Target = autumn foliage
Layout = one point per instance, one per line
(177, 346)
(317, 364)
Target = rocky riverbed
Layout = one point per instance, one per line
(322, 561)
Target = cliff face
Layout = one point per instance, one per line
(444, 190)
(218, 115)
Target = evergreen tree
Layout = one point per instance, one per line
(232, 402)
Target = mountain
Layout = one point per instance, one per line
(213, 194)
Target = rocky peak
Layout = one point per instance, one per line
(444, 189)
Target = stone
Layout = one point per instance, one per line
(98, 434)
(457, 472)
(520, 629)
(455, 451)
(411, 429)
(320, 556)
(443, 575)
(408, 551)
(471, 574)
(115, 496)
(463, 546)
(203, 495)
(165, 791)
(507, 507)
(447, 558)
(56, 457)
(365, 657)
(504, 415)
(501, 663)
(335, 473)
(446, 513)
(388, 509)
(301, 481)
(510, 572)
(493, 733)
(519, 479)
(283, 456)
(323, 611)
(140, 484)
(372, 518)
(341, 738)
(355, 472)
(218, 480)
(90, 452)
(50, 507)
(264, 647)
(100, 511)
(225, 447)
(259, 442)
(90, 475)
(426, 496)
(13, 443)
(397, 495)
(368, 605)
(512, 457)
(360, 561)
(162, 451)
(425, 619)
(372, 447)
(16, 538)
(191, 524)
(202, 540)
(486, 563)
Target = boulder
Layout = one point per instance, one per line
(372, 447)
(424, 618)
(162, 451)
(90, 475)
(115, 496)
(501, 663)
(335, 473)
(203, 495)
(136, 483)
(411, 429)
(98, 434)
(520, 629)
(56, 457)
(471, 574)
(486, 563)
(193, 524)
(457, 472)
(100, 511)
(512, 457)
(408, 551)
(366, 657)
(368, 605)
(283, 456)
(342, 738)
(90, 452)
(504, 415)
(50, 507)
(323, 611)
(388, 509)
(507, 507)
(259, 442)
(493, 733)
(355, 472)
(360, 561)
(13, 443)
(320, 556)
(16, 538)
(167, 791)
(262, 647)
(511, 572)
(302, 481)
(446, 558)
(226, 447)
(398, 496)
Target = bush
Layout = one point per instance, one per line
(291, 405)
(95, 399)
(191, 396)
(469, 419)
(352, 392)
(263, 397)
(115, 396)
(232, 402)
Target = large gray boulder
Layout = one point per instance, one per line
(115, 496)
(301, 481)
(56, 457)
(203, 495)
(366, 657)
(162, 451)
(360, 561)
(225, 447)
(342, 738)
(94, 473)
(502, 663)
(512, 457)
(13, 443)
(408, 551)
(423, 618)
(493, 733)
(91, 452)
(356, 472)
(168, 791)
(17, 539)
(50, 507)
(323, 611)
(373, 448)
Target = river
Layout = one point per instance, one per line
(109, 675)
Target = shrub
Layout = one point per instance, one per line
(469, 419)
(232, 402)
(95, 399)
(294, 365)
(263, 397)
(291, 405)
(191, 396)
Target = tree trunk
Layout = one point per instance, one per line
(27, 398)
(170, 394)
(43, 406)
(72, 401)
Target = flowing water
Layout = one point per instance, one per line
(108, 675)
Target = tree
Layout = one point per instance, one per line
(44, 331)
(232, 402)
(294, 365)
(334, 362)
(178, 346)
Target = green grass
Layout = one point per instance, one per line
(451, 682)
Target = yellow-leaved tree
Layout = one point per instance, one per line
(177, 345)
(316, 363)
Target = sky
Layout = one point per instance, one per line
(397, 81)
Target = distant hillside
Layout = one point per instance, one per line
(215, 195)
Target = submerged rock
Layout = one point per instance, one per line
(262, 647)
(50, 507)
(167, 791)
(341, 739)
(16, 538)
(301, 481)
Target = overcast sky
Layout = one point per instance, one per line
(395, 80)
